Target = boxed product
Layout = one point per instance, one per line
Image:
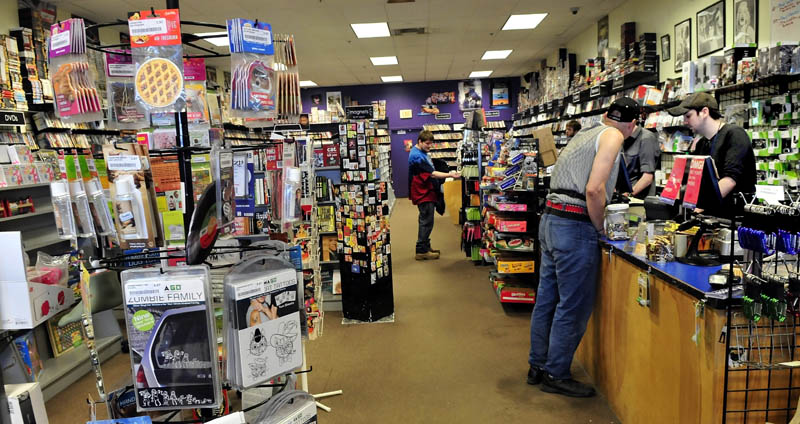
(514, 265)
(508, 292)
(26, 403)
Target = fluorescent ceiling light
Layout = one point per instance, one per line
(392, 78)
(480, 74)
(528, 21)
(377, 29)
(280, 67)
(384, 60)
(220, 41)
(496, 54)
(308, 83)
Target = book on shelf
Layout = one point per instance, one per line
(325, 217)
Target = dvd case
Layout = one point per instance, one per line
(168, 315)
(263, 323)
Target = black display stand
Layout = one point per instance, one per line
(362, 212)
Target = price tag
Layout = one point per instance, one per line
(60, 40)
(770, 193)
(693, 182)
(144, 27)
(256, 36)
(124, 163)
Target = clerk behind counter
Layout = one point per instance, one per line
(728, 144)
(641, 151)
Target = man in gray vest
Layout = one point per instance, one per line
(582, 183)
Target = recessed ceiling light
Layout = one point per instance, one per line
(392, 78)
(308, 83)
(377, 29)
(480, 74)
(528, 21)
(496, 54)
(220, 41)
(384, 60)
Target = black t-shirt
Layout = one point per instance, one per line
(733, 156)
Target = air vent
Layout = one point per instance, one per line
(406, 31)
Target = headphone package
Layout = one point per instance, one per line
(262, 321)
(169, 320)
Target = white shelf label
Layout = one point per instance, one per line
(152, 26)
(258, 36)
(124, 163)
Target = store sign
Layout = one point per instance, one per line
(771, 194)
(618, 83)
(576, 98)
(693, 182)
(492, 113)
(672, 190)
(442, 116)
(16, 119)
(594, 91)
(464, 114)
(401, 131)
(359, 112)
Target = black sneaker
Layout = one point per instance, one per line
(566, 387)
(535, 375)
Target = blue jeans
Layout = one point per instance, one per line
(566, 293)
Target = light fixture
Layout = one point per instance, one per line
(496, 54)
(480, 74)
(383, 60)
(220, 41)
(392, 78)
(528, 21)
(280, 67)
(373, 30)
(308, 83)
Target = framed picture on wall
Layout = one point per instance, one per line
(711, 29)
(665, 48)
(683, 43)
(745, 21)
(602, 35)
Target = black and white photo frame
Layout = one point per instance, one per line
(745, 21)
(665, 48)
(683, 43)
(711, 29)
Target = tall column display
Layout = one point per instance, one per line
(362, 226)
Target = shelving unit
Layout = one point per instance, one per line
(445, 143)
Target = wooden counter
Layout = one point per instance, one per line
(643, 359)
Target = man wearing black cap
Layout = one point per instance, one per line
(727, 144)
(582, 182)
(641, 152)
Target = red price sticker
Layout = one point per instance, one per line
(163, 29)
(693, 183)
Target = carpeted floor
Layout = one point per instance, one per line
(453, 354)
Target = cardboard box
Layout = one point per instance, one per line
(547, 146)
(25, 305)
(514, 266)
(26, 404)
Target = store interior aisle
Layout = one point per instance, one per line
(453, 353)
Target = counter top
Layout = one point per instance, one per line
(692, 279)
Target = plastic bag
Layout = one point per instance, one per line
(76, 97)
(158, 57)
(123, 110)
(253, 83)
(53, 270)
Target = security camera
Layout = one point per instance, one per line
(574, 10)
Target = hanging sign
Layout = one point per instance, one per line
(693, 182)
(442, 116)
(492, 113)
(16, 119)
(785, 21)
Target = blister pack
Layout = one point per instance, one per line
(123, 110)
(76, 96)
(252, 73)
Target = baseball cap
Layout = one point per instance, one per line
(694, 101)
(624, 109)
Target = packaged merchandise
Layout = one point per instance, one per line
(746, 70)
(170, 325)
(288, 93)
(226, 201)
(253, 83)
(62, 210)
(98, 205)
(263, 323)
(76, 96)
(158, 57)
(194, 76)
(80, 209)
(292, 197)
(123, 110)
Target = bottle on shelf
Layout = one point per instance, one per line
(130, 209)
(62, 210)
(80, 209)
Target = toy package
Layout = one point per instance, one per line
(169, 319)
(252, 74)
(158, 57)
(76, 97)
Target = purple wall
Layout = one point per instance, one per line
(412, 96)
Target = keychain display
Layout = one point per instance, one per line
(123, 110)
(169, 320)
(263, 324)
(252, 73)
(158, 57)
(76, 96)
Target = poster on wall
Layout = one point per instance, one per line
(500, 96)
(469, 95)
(428, 109)
(745, 21)
(785, 21)
(334, 104)
(683, 44)
(226, 80)
(211, 74)
(602, 35)
(665, 48)
(444, 98)
(711, 29)
(316, 100)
